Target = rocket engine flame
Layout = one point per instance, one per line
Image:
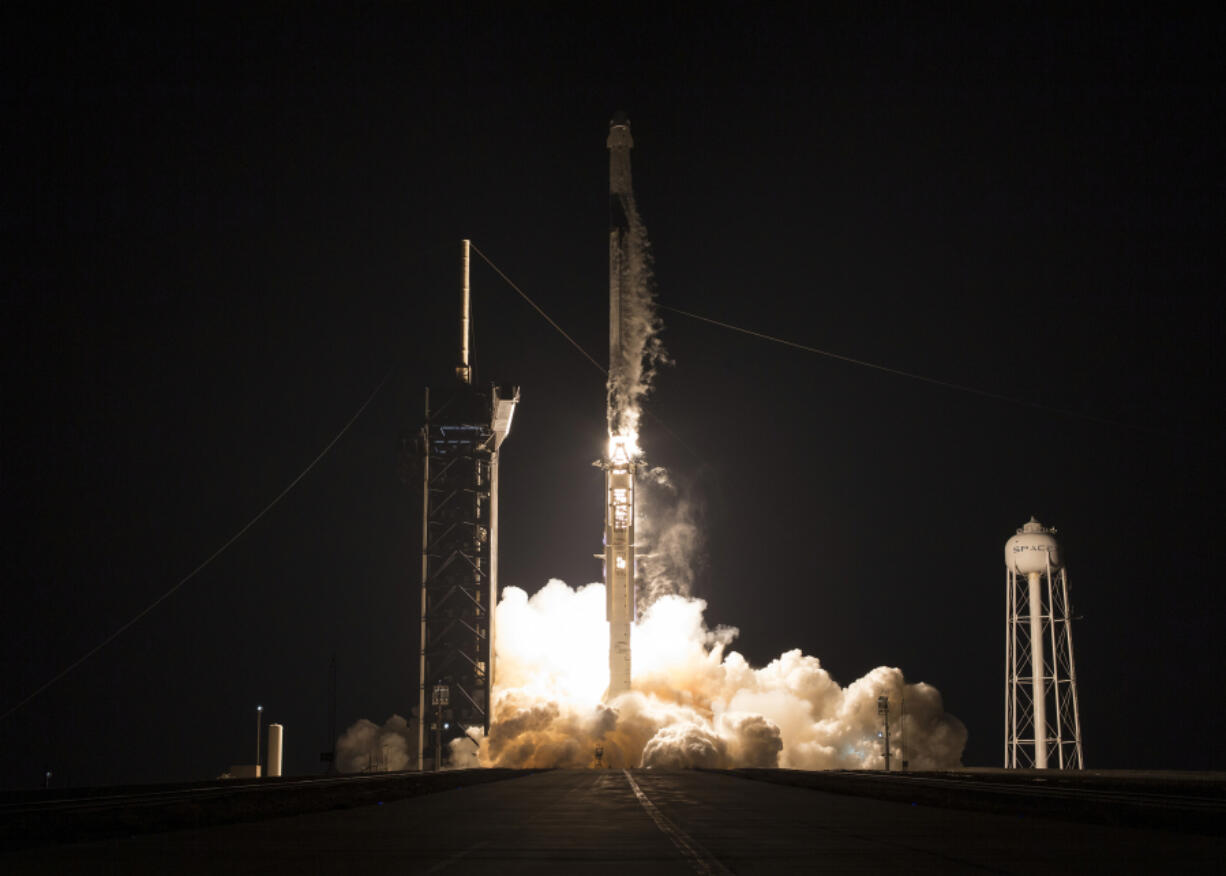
(623, 448)
(695, 702)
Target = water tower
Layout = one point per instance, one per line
(1042, 723)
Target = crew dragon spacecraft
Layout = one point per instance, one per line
(621, 460)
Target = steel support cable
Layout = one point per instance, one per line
(575, 344)
(204, 565)
(909, 374)
(537, 308)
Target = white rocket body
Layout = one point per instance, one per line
(619, 563)
(620, 464)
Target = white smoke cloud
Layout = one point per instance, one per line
(367, 747)
(640, 324)
(694, 703)
(668, 529)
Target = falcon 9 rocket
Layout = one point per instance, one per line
(621, 460)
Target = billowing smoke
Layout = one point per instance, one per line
(669, 532)
(640, 325)
(368, 748)
(695, 702)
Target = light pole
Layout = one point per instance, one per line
(259, 720)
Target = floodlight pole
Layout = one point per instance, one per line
(259, 720)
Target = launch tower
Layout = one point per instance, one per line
(459, 443)
(1042, 721)
(621, 459)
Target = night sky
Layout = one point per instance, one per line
(225, 229)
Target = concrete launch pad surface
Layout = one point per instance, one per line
(644, 822)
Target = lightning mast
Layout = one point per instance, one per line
(460, 444)
(621, 461)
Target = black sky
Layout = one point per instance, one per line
(224, 228)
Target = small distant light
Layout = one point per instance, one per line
(446, 726)
(259, 708)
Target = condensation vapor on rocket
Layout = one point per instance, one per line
(633, 350)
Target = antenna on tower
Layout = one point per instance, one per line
(1039, 668)
(464, 370)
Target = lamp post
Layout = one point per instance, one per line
(259, 720)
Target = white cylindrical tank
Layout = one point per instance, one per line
(275, 732)
(1032, 549)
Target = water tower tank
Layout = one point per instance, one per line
(1030, 550)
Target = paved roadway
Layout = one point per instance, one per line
(641, 822)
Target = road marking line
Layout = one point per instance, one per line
(699, 858)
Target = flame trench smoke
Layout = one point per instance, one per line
(366, 747)
(695, 701)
